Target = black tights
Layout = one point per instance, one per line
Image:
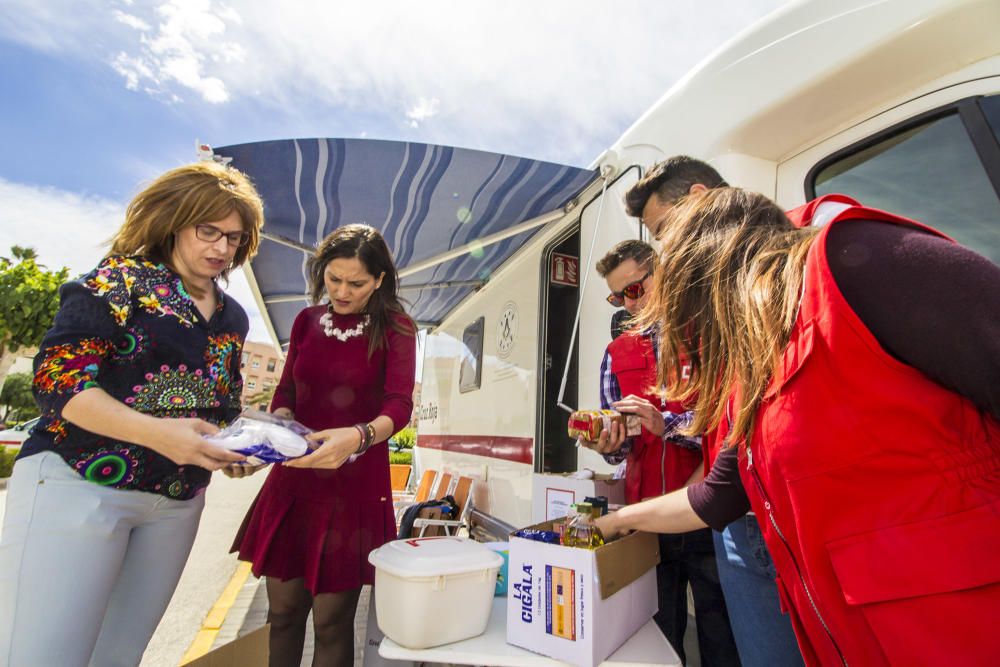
(289, 603)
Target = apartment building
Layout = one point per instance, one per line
(261, 366)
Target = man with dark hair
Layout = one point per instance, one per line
(664, 184)
(763, 633)
(659, 460)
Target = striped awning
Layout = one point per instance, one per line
(450, 216)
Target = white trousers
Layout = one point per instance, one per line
(86, 571)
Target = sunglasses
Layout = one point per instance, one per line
(211, 234)
(631, 291)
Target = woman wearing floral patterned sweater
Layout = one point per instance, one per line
(141, 362)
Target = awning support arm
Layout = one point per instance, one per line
(605, 174)
(441, 258)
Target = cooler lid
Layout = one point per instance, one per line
(433, 557)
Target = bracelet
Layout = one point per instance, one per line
(367, 432)
(361, 444)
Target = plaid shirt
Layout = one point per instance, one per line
(672, 421)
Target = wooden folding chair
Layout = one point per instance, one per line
(399, 476)
(434, 525)
(443, 486)
(425, 485)
(403, 500)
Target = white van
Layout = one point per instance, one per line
(895, 102)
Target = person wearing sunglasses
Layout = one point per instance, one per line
(658, 460)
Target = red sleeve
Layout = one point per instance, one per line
(284, 393)
(400, 370)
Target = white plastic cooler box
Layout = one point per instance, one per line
(433, 590)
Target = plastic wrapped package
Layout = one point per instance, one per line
(588, 424)
(264, 438)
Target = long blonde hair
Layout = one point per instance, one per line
(725, 298)
(189, 195)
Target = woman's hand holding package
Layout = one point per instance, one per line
(334, 447)
(648, 414)
(183, 442)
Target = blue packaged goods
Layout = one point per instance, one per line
(549, 536)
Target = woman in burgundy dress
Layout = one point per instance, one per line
(349, 376)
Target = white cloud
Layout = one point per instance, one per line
(422, 110)
(130, 20)
(72, 230)
(65, 228)
(188, 41)
(132, 69)
(540, 79)
(558, 79)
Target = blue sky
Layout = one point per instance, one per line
(100, 97)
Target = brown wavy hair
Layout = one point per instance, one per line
(725, 298)
(367, 245)
(189, 195)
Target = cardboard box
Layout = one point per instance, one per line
(552, 494)
(580, 605)
(250, 650)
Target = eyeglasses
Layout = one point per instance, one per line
(631, 291)
(210, 234)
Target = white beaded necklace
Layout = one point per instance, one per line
(336, 332)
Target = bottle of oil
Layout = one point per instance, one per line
(580, 530)
(596, 538)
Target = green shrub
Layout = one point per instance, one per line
(405, 456)
(405, 439)
(6, 461)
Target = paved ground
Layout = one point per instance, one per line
(249, 612)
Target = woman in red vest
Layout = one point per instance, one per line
(859, 367)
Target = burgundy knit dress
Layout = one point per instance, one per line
(321, 524)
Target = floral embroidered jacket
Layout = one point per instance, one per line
(129, 328)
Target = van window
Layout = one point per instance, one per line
(930, 172)
(470, 376)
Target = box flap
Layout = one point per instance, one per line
(250, 650)
(621, 562)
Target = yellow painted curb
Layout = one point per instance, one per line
(203, 641)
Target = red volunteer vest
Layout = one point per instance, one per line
(878, 491)
(653, 467)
